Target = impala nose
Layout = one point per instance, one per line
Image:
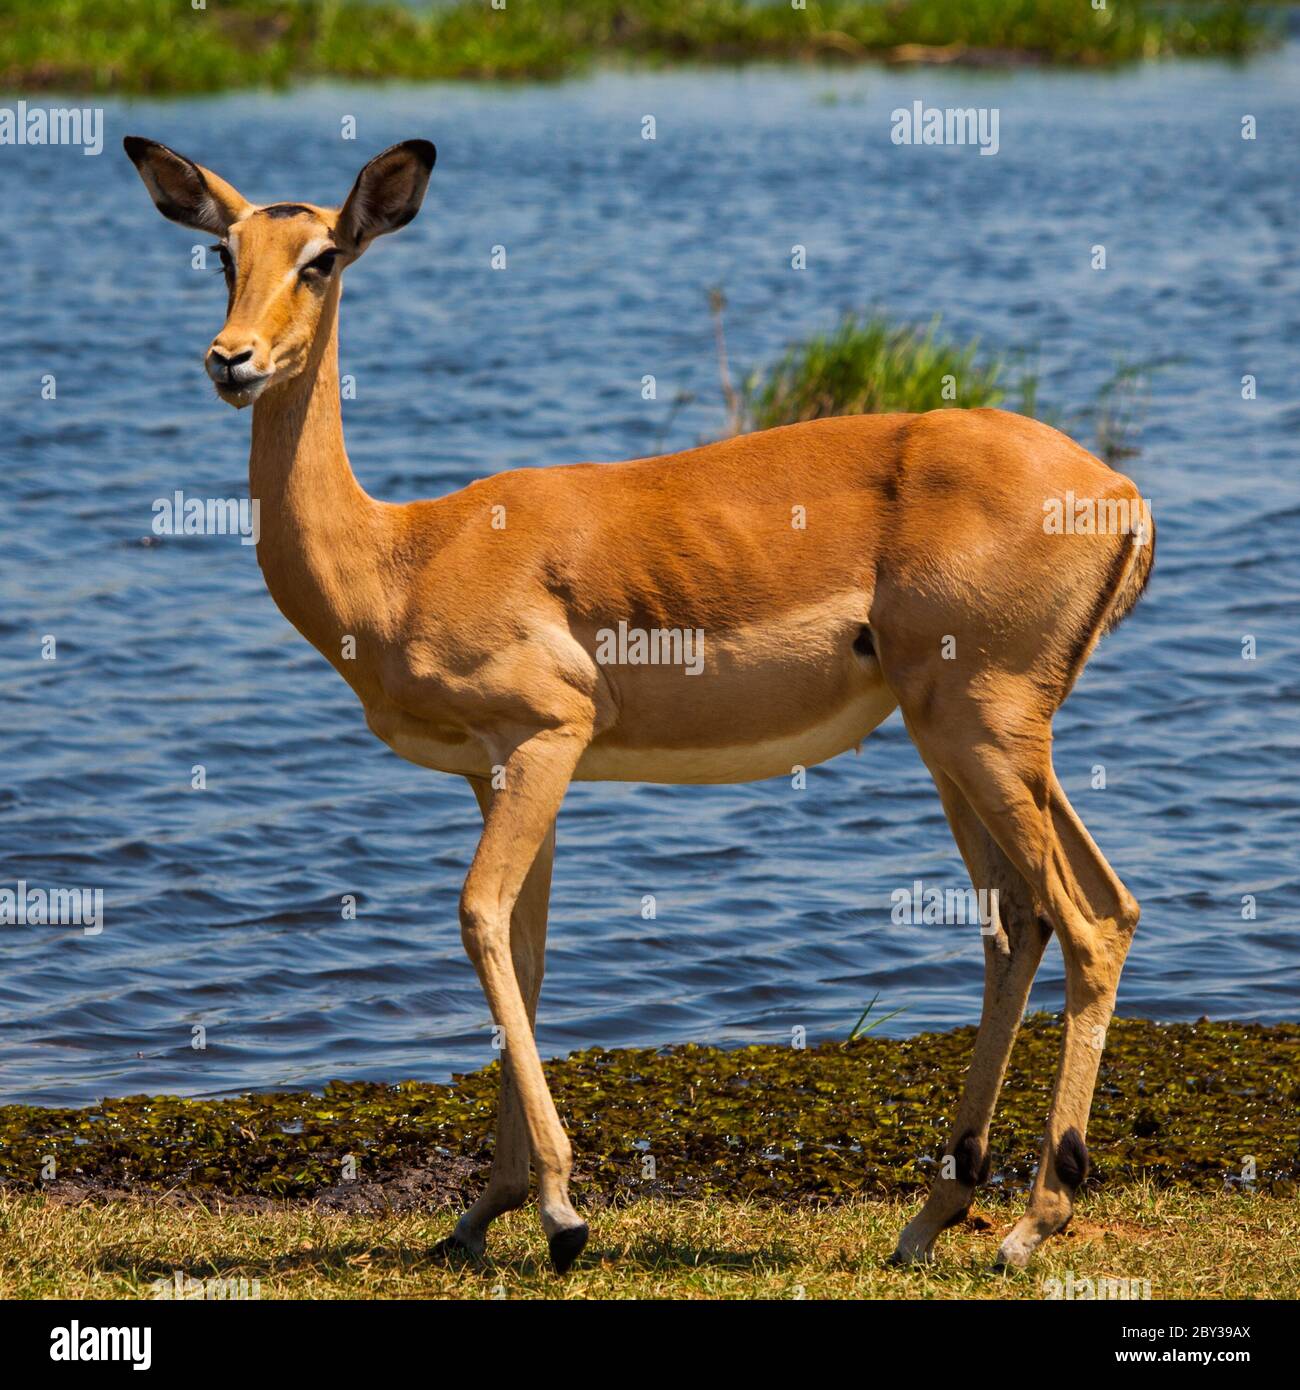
(221, 366)
(235, 371)
(227, 362)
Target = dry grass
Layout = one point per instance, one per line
(1187, 1245)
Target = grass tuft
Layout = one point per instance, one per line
(870, 365)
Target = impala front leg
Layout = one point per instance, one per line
(518, 822)
(507, 1185)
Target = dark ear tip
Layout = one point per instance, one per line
(423, 150)
(135, 147)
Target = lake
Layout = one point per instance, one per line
(222, 907)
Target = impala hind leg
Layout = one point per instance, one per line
(997, 749)
(1096, 917)
(1014, 939)
(519, 820)
(507, 1185)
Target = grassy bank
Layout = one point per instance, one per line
(167, 46)
(1196, 1107)
(1163, 1244)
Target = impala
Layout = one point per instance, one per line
(836, 570)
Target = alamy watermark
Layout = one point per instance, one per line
(1098, 516)
(920, 905)
(1087, 1289)
(179, 515)
(53, 125)
(77, 1343)
(655, 646)
(920, 124)
(24, 906)
(182, 1285)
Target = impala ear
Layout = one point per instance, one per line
(184, 191)
(387, 194)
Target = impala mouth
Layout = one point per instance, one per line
(241, 391)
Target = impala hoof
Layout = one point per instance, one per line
(909, 1255)
(451, 1250)
(915, 1243)
(1014, 1253)
(566, 1246)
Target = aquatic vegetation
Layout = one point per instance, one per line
(1120, 410)
(1205, 1106)
(163, 46)
(871, 364)
(862, 1027)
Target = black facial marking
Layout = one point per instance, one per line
(1072, 1160)
(972, 1160)
(862, 643)
(284, 210)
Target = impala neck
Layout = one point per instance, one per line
(320, 540)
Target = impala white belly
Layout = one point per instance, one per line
(777, 756)
(467, 758)
(739, 762)
(670, 729)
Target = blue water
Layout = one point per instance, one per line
(222, 906)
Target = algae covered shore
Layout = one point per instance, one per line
(1204, 1107)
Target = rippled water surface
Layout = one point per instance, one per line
(222, 906)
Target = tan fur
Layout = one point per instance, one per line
(477, 617)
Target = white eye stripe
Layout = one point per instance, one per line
(305, 257)
(312, 250)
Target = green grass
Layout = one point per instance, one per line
(1185, 1245)
(868, 365)
(130, 46)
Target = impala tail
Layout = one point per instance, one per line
(1126, 583)
(1139, 556)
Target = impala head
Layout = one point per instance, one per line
(282, 262)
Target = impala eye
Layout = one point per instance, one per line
(226, 265)
(321, 266)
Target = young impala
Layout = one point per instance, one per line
(838, 570)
